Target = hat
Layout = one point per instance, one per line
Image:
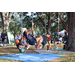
(65, 31)
(23, 29)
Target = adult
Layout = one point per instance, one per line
(65, 39)
(5, 37)
(2, 36)
(31, 40)
(60, 38)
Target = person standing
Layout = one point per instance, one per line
(65, 39)
(19, 36)
(5, 37)
(48, 36)
(45, 41)
(2, 36)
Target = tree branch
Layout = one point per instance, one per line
(42, 21)
(53, 16)
(46, 14)
(9, 16)
(2, 18)
(3, 14)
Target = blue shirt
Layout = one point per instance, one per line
(28, 37)
(2, 36)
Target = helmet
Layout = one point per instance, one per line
(16, 41)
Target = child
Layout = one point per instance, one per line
(20, 46)
(48, 36)
(24, 41)
(31, 40)
(45, 41)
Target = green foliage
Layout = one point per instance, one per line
(21, 19)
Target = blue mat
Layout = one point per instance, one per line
(30, 57)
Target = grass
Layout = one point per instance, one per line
(68, 57)
(13, 50)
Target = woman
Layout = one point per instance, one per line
(31, 40)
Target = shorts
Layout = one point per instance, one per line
(2, 39)
(43, 43)
(49, 41)
(32, 41)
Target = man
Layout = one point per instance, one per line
(65, 39)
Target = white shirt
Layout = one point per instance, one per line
(19, 36)
(60, 39)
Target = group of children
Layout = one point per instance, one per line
(21, 43)
(26, 36)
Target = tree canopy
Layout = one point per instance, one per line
(45, 22)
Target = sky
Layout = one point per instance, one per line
(29, 14)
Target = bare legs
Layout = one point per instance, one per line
(39, 40)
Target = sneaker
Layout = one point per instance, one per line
(56, 48)
(40, 47)
(52, 49)
(28, 47)
(37, 47)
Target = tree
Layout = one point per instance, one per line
(64, 20)
(71, 31)
(46, 21)
(6, 18)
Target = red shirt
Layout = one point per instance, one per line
(49, 38)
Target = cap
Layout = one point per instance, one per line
(23, 29)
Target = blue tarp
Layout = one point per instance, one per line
(30, 57)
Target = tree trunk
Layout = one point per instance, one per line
(6, 20)
(71, 31)
(49, 24)
(6, 25)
